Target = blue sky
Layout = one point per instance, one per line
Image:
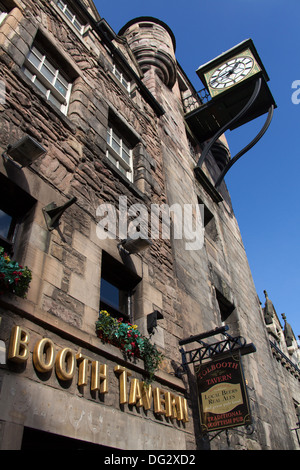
(264, 183)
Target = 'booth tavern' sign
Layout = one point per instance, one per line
(132, 391)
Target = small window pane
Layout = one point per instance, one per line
(116, 146)
(60, 4)
(77, 25)
(115, 137)
(109, 294)
(40, 86)
(37, 53)
(61, 88)
(125, 83)
(69, 14)
(126, 156)
(28, 74)
(5, 223)
(123, 170)
(47, 74)
(54, 100)
(34, 59)
(111, 158)
(50, 66)
(63, 80)
(117, 74)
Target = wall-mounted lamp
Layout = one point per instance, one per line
(53, 213)
(24, 152)
(152, 320)
(131, 245)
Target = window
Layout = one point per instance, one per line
(7, 230)
(48, 77)
(114, 299)
(121, 77)
(71, 16)
(119, 152)
(117, 288)
(15, 204)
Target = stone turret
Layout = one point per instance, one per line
(153, 45)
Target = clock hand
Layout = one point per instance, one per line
(226, 73)
(237, 65)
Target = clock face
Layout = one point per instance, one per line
(232, 72)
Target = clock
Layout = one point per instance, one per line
(231, 72)
(231, 68)
(238, 93)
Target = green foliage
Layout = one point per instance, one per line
(128, 338)
(14, 278)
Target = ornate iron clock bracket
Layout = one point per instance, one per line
(227, 126)
(247, 147)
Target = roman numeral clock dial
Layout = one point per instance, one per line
(231, 72)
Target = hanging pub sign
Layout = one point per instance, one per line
(222, 394)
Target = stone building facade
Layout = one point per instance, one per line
(108, 109)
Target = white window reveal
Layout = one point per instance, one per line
(3, 12)
(48, 78)
(71, 16)
(119, 152)
(121, 77)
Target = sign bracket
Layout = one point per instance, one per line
(222, 392)
(249, 431)
(208, 351)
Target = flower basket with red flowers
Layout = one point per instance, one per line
(14, 278)
(129, 339)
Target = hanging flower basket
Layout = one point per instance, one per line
(129, 339)
(14, 278)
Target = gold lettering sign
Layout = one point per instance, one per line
(65, 364)
(83, 362)
(131, 391)
(123, 373)
(146, 396)
(44, 355)
(99, 377)
(135, 396)
(18, 347)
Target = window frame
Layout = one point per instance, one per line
(123, 279)
(8, 241)
(121, 77)
(44, 60)
(116, 311)
(17, 204)
(63, 7)
(115, 157)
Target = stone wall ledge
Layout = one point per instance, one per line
(30, 311)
